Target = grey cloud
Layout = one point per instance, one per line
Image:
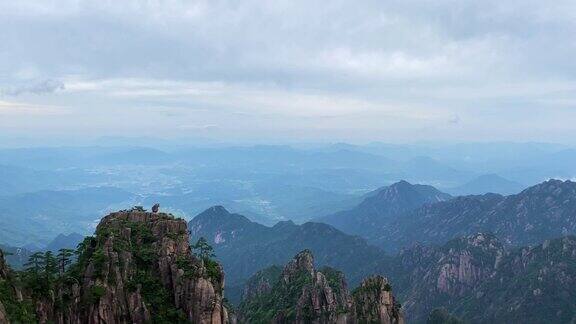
(446, 61)
(38, 88)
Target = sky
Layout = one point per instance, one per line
(354, 71)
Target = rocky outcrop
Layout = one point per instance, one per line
(3, 276)
(3, 267)
(476, 279)
(3, 315)
(302, 294)
(261, 283)
(137, 269)
(432, 277)
(374, 302)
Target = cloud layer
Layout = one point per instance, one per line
(293, 70)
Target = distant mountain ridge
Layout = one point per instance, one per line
(541, 212)
(372, 216)
(488, 183)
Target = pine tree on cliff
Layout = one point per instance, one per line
(64, 259)
(205, 250)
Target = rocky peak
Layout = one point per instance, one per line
(215, 211)
(139, 268)
(303, 262)
(552, 187)
(374, 302)
(301, 294)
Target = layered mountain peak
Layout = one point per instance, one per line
(408, 195)
(372, 216)
(214, 211)
(553, 187)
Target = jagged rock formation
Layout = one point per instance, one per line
(432, 277)
(244, 247)
(261, 282)
(530, 285)
(476, 279)
(3, 315)
(301, 294)
(138, 269)
(374, 302)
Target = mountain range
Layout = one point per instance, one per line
(538, 213)
(402, 214)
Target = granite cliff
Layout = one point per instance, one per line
(138, 268)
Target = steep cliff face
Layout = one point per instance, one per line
(474, 278)
(3, 277)
(302, 294)
(3, 315)
(432, 277)
(138, 268)
(374, 302)
(531, 285)
(261, 282)
(13, 308)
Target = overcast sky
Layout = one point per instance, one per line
(394, 71)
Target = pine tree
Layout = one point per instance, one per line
(35, 263)
(64, 259)
(205, 251)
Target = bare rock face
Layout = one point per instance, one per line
(3, 315)
(138, 269)
(3, 267)
(261, 282)
(302, 294)
(303, 262)
(3, 276)
(374, 302)
(442, 276)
